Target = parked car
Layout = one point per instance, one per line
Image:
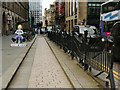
(49, 28)
(43, 31)
(80, 29)
(95, 29)
(92, 38)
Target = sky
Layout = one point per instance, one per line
(46, 4)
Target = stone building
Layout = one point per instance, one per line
(14, 13)
(50, 15)
(43, 20)
(70, 14)
(77, 13)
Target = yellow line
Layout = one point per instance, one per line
(116, 73)
(116, 76)
(102, 65)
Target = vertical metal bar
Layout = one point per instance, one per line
(85, 40)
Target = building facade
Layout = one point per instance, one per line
(36, 11)
(50, 15)
(77, 13)
(60, 14)
(12, 14)
(71, 13)
(0, 20)
(43, 20)
(57, 13)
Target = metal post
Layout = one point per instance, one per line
(111, 71)
(85, 40)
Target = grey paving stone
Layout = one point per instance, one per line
(46, 69)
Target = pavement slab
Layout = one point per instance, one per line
(46, 71)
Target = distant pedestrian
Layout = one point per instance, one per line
(11, 31)
(38, 31)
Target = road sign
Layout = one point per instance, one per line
(107, 33)
(9, 17)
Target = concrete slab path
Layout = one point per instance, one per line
(46, 71)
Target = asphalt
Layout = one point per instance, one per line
(9, 54)
(16, 56)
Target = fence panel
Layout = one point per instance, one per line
(92, 52)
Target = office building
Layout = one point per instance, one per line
(35, 11)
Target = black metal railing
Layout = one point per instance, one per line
(91, 52)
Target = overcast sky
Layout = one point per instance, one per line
(46, 4)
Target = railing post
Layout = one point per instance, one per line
(85, 60)
(111, 71)
(72, 47)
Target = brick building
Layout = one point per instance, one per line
(60, 14)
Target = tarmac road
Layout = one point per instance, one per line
(9, 54)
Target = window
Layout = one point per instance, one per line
(89, 4)
(73, 6)
(70, 8)
(111, 6)
(76, 5)
(93, 4)
(98, 5)
(93, 9)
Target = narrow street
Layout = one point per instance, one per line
(60, 44)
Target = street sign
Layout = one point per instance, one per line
(18, 45)
(9, 17)
(107, 33)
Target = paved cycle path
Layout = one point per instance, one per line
(46, 71)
